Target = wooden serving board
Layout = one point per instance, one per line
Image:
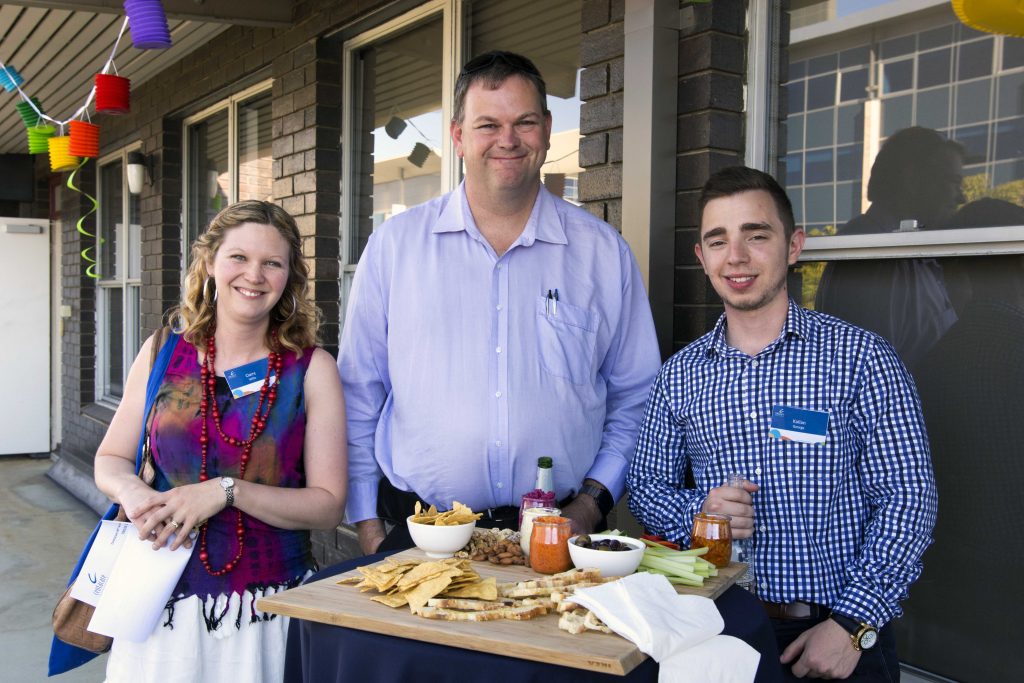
(537, 639)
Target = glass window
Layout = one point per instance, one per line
(119, 283)
(795, 96)
(850, 127)
(975, 142)
(933, 108)
(823, 64)
(975, 59)
(897, 114)
(399, 162)
(818, 166)
(854, 85)
(855, 56)
(819, 203)
(819, 128)
(936, 37)
(1010, 139)
(936, 82)
(1013, 52)
(795, 132)
(228, 158)
(933, 68)
(898, 76)
(821, 91)
(896, 47)
(849, 160)
(208, 183)
(1011, 94)
(796, 198)
(794, 169)
(797, 69)
(972, 101)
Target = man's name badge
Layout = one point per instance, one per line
(247, 379)
(798, 424)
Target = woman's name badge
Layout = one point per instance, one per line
(247, 379)
(798, 424)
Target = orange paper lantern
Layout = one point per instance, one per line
(85, 139)
(61, 158)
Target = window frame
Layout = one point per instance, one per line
(131, 307)
(229, 104)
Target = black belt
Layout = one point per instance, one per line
(795, 610)
(506, 515)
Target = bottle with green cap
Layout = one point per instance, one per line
(545, 475)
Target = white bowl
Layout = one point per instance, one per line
(440, 541)
(610, 562)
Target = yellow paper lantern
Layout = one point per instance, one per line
(60, 158)
(993, 16)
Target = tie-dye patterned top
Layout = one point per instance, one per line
(272, 557)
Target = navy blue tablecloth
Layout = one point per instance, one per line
(321, 653)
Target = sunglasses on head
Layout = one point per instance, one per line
(485, 61)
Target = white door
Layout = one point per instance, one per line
(24, 335)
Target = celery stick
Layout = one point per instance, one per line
(670, 567)
(673, 579)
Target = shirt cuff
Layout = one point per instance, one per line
(362, 501)
(610, 473)
(863, 606)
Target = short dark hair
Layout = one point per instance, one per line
(492, 69)
(736, 179)
(904, 156)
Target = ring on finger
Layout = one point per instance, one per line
(176, 525)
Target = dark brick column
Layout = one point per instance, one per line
(712, 63)
(602, 57)
(307, 163)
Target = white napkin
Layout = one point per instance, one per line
(679, 631)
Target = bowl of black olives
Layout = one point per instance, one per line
(612, 555)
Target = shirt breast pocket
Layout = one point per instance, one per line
(566, 338)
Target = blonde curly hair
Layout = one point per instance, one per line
(296, 318)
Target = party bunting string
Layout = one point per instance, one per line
(80, 225)
(92, 91)
(81, 113)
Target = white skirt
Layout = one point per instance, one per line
(189, 653)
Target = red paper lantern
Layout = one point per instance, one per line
(112, 94)
(85, 139)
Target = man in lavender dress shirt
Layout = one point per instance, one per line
(490, 326)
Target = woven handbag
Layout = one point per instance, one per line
(71, 617)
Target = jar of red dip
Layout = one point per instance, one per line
(549, 545)
(714, 533)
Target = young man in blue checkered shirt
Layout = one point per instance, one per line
(823, 420)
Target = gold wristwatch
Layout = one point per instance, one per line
(864, 636)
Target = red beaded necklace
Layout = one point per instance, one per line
(268, 394)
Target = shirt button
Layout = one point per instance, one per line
(757, 470)
(762, 528)
(499, 485)
(497, 394)
(498, 444)
(753, 363)
(753, 414)
(497, 349)
(498, 307)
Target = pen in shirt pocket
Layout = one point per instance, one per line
(547, 303)
(554, 304)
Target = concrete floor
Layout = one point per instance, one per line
(42, 531)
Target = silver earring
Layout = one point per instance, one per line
(206, 292)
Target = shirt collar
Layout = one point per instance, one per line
(796, 326)
(545, 222)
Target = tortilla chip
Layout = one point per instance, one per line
(486, 589)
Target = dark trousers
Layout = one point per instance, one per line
(880, 664)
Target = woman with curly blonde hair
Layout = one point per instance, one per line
(249, 449)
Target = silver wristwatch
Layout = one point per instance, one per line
(228, 484)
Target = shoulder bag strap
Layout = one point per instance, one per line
(164, 343)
